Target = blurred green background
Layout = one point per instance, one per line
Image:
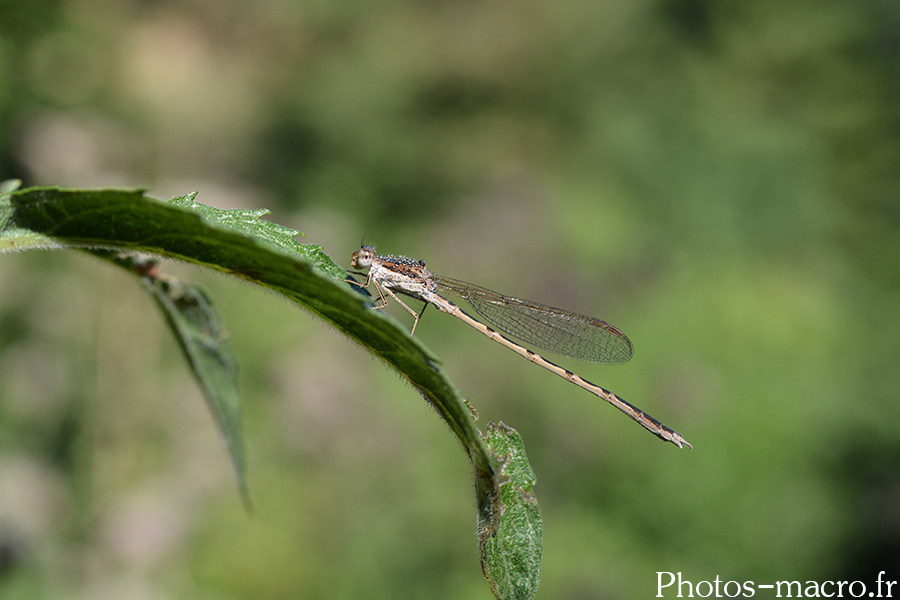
(721, 180)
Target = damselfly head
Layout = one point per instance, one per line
(362, 258)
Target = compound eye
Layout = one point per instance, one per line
(362, 258)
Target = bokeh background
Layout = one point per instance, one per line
(719, 179)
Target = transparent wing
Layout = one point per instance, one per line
(554, 329)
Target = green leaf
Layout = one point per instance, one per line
(10, 185)
(248, 222)
(190, 316)
(511, 546)
(239, 243)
